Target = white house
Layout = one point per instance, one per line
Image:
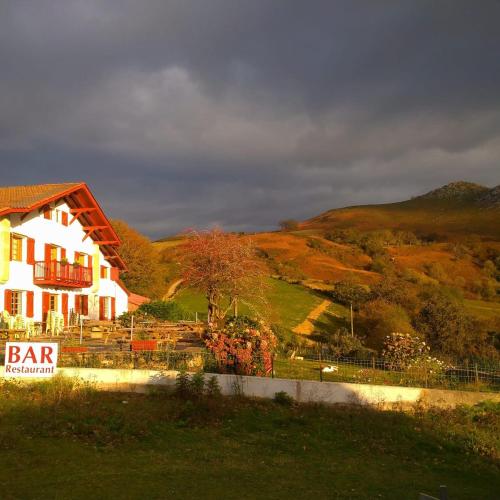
(58, 255)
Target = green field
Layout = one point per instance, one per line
(483, 309)
(59, 442)
(285, 304)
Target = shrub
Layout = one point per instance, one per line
(289, 225)
(282, 398)
(197, 385)
(346, 292)
(401, 350)
(182, 385)
(342, 343)
(379, 318)
(163, 310)
(243, 346)
(212, 387)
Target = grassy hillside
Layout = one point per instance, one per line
(285, 305)
(445, 242)
(456, 210)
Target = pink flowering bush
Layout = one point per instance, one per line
(403, 351)
(243, 346)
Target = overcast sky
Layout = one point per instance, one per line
(241, 113)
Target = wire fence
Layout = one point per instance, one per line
(311, 367)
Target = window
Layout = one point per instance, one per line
(53, 254)
(17, 248)
(16, 303)
(47, 213)
(80, 258)
(82, 304)
(104, 272)
(53, 302)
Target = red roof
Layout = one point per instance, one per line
(137, 299)
(83, 206)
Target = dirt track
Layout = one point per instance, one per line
(307, 326)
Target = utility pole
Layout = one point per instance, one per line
(352, 323)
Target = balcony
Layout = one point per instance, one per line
(62, 275)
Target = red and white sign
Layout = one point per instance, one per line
(30, 359)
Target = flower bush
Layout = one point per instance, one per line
(403, 351)
(243, 346)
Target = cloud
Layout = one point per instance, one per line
(184, 113)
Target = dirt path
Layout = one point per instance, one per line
(307, 326)
(172, 289)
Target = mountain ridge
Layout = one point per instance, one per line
(458, 208)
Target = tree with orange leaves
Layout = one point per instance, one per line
(225, 267)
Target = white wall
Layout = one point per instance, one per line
(305, 391)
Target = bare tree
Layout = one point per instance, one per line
(224, 267)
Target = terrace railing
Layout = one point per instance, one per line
(62, 274)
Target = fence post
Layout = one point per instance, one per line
(320, 364)
(272, 365)
(476, 373)
(373, 362)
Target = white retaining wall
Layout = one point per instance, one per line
(132, 380)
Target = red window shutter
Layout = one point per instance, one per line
(85, 305)
(45, 305)
(78, 299)
(48, 248)
(64, 218)
(47, 214)
(65, 308)
(45, 302)
(103, 272)
(115, 274)
(101, 309)
(113, 308)
(8, 301)
(30, 258)
(63, 253)
(30, 299)
(89, 261)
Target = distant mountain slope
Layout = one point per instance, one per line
(454, 210)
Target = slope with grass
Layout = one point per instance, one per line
(87, 444)
(285, 304)
(455, 210)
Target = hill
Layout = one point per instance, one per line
(452, 211)
(393, 257)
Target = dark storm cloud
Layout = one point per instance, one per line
(244, 112)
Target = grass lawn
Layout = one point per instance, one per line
(63, 442)
(365, 373)
(287, 305)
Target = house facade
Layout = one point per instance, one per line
(58, 256)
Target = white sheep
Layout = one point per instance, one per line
(330, 369)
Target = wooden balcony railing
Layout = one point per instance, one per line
(61, 274)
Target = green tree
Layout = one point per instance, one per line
(289, 225)
(380, 318)
(144, 275)
(449, 330)
(346, 292)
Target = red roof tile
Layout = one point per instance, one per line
(19, 197)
